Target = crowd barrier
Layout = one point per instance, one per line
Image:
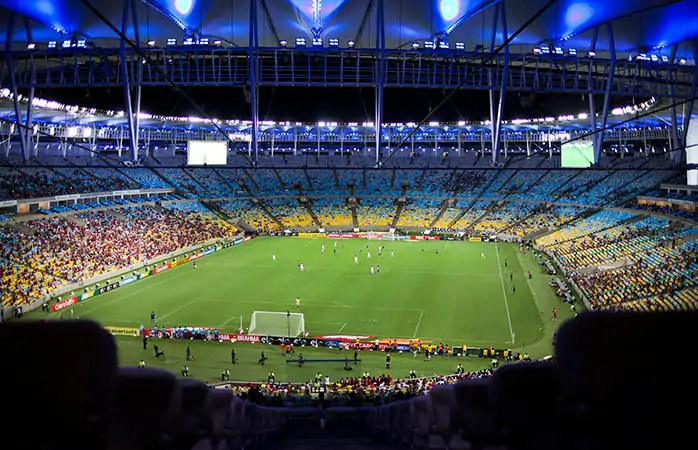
(98, 289)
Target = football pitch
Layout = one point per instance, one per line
(457, 293)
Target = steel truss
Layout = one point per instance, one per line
(438, 69)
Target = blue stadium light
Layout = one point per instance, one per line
(572, 52)
(460, 46)
(665, 59)
(283, 42)
(682, 61)
(317, 42)
(67, 43)
(171, 41)
(82, 43)
(217, 42)
(654, 58)
(51, 44)
(415, 45)
(188, 41)
(591, 54)
(558, 50)
(31, 46)
(334, 42)
(351, 44)
(545, 49)
(300, 42)
(203, 41)
(151, 43)
(536, 51)
(443, 44)
(429, 44)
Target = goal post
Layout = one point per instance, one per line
(274, 323)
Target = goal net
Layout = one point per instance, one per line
(270, 323)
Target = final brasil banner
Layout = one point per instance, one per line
(156, 269)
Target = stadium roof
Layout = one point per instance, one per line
(638, 25)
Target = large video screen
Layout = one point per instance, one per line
(578, 154)
(207, 153)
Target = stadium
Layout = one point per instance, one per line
(347, 224)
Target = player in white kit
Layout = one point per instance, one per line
(372, 270)
(356, 259)
(323, 248)
(298, 302)
(273, 257)
(368, 255)
(302, 267)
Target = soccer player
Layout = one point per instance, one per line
(506, 263)
(298, 302)
(372, 270)
(356, 259)
(273, 257)
(152, 316)
(323, 249)
(392, 254)
(334, 250)
(194, 265)
(335, 244)
(378, 269)
(554, 314)
(437, 251)
(368, 255)
(482, 255)
(302, 267)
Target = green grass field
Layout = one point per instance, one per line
(456, 297)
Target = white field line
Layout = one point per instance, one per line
(342, 327)
(228, 321)
(176, 310)
(504, 291)
(419, 322)
(135, 292)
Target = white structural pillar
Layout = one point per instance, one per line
(692, 152)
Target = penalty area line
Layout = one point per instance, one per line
(342, 327)
(504, 291)
(419, 322)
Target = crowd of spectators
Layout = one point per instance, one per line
(351, 391)
(55, 251)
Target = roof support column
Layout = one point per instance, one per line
(688, 111)
(254, 101)
(28, 128)
(139, 78)
(590, 84)
(599, 136)
(125, 79)
(9, 36)
(497, 121)
(380, 71)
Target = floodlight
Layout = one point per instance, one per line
(67, 43)
(591, 54)
(31, 46)
(682, 61)
(558, 50)
(334, 42)
(188, 41)
(217, 42)
(151, 43)
(665, 59)
(460, 46)
(283, 42)
(654, 58)
(171, 41)
(203, 41)
(572, 52)
(443, 44)
(51, 44)
(317, 42)
(81, 43)
(429, 44)
(536, 51)
(300, 42)
(351, 44)
(415, 45)
(545, 49)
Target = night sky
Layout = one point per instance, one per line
(332, 104)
